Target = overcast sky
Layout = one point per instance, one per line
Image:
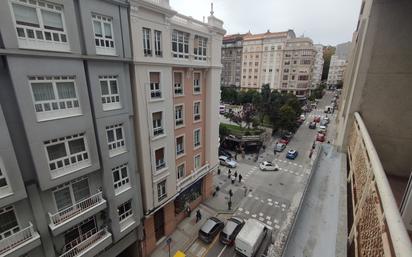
(328, 22)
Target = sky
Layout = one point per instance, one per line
(327, 22)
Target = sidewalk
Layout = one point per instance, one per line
(185, 234)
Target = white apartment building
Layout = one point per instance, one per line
(338, 63)
(318, 66)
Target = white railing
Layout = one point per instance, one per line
(192, 177)
(378, 228)
(16, 239)
(75, 209)
(82, 243)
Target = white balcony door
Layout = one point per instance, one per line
(71, 194)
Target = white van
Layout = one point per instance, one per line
(222, 109)
(250, 237)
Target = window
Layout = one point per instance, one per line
(147, 50)
(180, 145)
(54, 97)
(115, 139)
(8, 222)
(305, 62)
(121, 177)
(180, 44)
(68, 194)
(285, 77)
(158, 43)
(200, 45)
(103, 35)
(179, 115)
(4, 186)
(40, 25)
(287, 63)
(157, 123)
(67, 154)
(196, 82)
(125, 210)
(161, 190)
(196, 111)
(196, 138)
(178, 83)
(180, 171)
(80, 232)
(160, 158)
(155, 91)
(110, 93)
(197, 163)
(303, 77)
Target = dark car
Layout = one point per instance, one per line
(224, 153)
(210, 229)
(312, 125)
(232, 228)
(292, 154)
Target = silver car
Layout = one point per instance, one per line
(226, 161)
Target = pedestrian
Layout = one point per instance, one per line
(188, 211)
(229, 205)
(229, 173)
(218, 171)
(198, 216)
(233, 180)
(240, 178)
(235, 174)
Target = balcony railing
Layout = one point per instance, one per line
(75, 209)
(17, 239)
(184, 182)
(82, 243)
(377, 229)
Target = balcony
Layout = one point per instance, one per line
(67, 218)
(192, 177)
(90, 244)
(376, 226)
(20, 243)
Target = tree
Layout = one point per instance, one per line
(248, 114)
(287, 120)
(327, 54)
(229, 95)
(223, 132)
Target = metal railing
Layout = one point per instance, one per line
(16, 239)
(377, 228)
(192, 177)
(75, 209)
(81, 244)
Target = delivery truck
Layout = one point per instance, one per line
(250, 237)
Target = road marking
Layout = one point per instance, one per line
(269, 200)
(210, 246)
(300, 166)
(247, 212)
(254, 215)
(261, 219)
(270, 203)
(256, 198)
(283, 205)
(295, 164)
(221, 252)
(276, 221)
(250, 195)
(268, 217)
(240, 209)
(260, 214)
(277, 226)
(269, 222)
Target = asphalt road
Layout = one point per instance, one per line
(269, 193)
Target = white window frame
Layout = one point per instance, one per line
(118, 146)
(197, 84)
(4, 190)
(147, 41)
(161, 191)
(178, 175)
(180, 38)
(56, 108)
(182, 118)
(155, 89)
(197, 117)
(181, 86)
(183, 150)
(41, 38)
(76, 161)
(110, 101)
(127, 213)
(69, 185)
(157, 130)
(158, 43)
(124, 181)
(201, 50)
(197, 156)
(14, 229)
(104, 49)
(194, 138)
(161, 166)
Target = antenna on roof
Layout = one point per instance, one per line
(211, 9)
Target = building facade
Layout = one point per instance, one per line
(338, 64)
(177, 66)
(318, 66)
(67, 153)
(232, 60)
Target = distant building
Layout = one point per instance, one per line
(318, 66)
(338, 64)
(232, 60)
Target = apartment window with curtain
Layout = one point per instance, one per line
(180, 44)
(40, 25)
(178, 83)
(161, 190)
(160, 159)
(196, 111)
(67, 154)
(68, 194)
(155, 91)
(158, 43)
(54, 97)
(8, 222)
(110, 93)
(196, 138)
(196, 83)
(115, 139)
(179, 116)
(103, 35)
(121, 178)
(180, 146)
(200, 46)
(197, 162)
(147, 46)
(157, 124)
(125, 210)
(181, 171)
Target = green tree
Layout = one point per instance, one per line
(223, 132)
(229, 95)
(328, 51)
(287, 120)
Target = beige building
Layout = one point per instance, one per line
(338, 63)
(375, 130)
(177, 66)
(232, 60)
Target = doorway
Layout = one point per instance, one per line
(159, 223)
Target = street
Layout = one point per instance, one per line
(265, 195)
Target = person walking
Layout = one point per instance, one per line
(229, 173)
(240, 178)
(235, 174)
(188, 211)
(233, 180)
(198, 215)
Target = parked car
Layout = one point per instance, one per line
(302, 117)
(224, 153)
(226, 161)
(326, 119)
(322, 129)
(312, 125)
(210, 229)
(323, 123)
(284, 141)
(320, 137)
(231, 229)
(279, 147)
(250, 237)
(292, 154)
(316, 119)
(268, 166)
